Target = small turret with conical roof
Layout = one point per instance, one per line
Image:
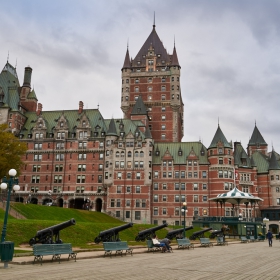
(256, 143)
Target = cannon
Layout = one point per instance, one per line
(199, 234)
(216, 233)
(50, 235)
(112, 234)
(177, 233)
(146, 234)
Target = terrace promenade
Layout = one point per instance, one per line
(236, 261)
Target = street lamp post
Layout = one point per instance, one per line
(184, 210)
(7, 247)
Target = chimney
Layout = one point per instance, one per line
(27, 77)
(81, 106)
(39, 109)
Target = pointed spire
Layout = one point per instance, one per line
(148, 134)
(175, 61)
(219, 136)
(126, 63)
(139, 108)
(273, 163)
(112, 128)
(256, 138)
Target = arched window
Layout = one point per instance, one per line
(129, 154)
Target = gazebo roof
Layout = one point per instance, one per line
(235, 196)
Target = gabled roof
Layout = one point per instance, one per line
(256, 138)
(73, 120)
(139, 107)
(273, 163)
(219, 137)
(185, 149)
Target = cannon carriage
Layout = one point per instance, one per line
(148, 233)
(50, 235)
(112, 234)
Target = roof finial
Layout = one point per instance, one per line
(218, 121)
(8, 57)
(255, 122)
(127, 43)
(174, 40)
(98, 106)
(154, 25)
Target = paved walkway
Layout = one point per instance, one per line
(235, 261)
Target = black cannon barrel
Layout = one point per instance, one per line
(111, 234)
(145, 234)
(46, 235)
(57, 228)
(173, 233)
(199, 233)
(215, 233)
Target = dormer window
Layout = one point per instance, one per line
(180, 153)
(158, 55)
(83, 124)
(61, 124)
(157, 153)
(138, 62)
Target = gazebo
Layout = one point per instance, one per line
(235, 197)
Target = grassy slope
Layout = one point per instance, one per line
(88, 225)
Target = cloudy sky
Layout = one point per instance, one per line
(228, 52)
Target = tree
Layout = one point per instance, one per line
(11, 151)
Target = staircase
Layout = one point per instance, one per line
(12, 212)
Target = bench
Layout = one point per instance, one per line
(205, 242)
(184, 243)
(252, 239)
(244, 239)
(117, 247)
(152, 247)
(221, 241)
(54, 250)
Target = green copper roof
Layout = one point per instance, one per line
(219, 137)
(261, 162)
(185, 147)
(51, 118)
(10, 84)
(240, 157)
(32, 95)
(256, 138)
(273, 164)
(125, 126)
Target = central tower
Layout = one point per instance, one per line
(155, 76)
